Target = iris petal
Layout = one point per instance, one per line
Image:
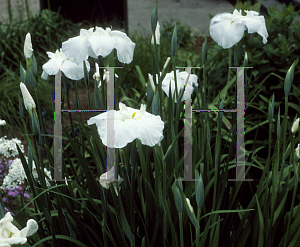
(124, 46)
(102, 46)
(76, 49)
(73, 70)
(256, 24)
(226, 33)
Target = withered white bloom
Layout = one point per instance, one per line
(11, 235)
(59, 61)
(130, 124)
(295, 126)
(99, 42)
(28, 100)
(157, 35)
(228, 29)
(2, 122)
(28, 46)
(108, 179)
(182, 79)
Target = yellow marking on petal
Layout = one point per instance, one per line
(231, 22)
(10, 234)
(133, 114)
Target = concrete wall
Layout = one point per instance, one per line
(18, 10)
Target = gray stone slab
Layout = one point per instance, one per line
(18, 10)
(271, 3)
(194, 13)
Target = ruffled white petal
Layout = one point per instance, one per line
(124, 45)
(257, 24)
(30, 229)
(52, 66)
(73, 70)
(102, 46)
(76, 49)
(44, 75)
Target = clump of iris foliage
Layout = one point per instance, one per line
(151, 208)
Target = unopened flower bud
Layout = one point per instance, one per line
(295, 126)
(28, 46)
(157, 35)
(28, 100)
(189, 204)
(297, 151)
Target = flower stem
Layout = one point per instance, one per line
(181, 230)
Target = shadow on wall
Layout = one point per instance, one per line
(95, 11)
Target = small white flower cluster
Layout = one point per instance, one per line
(16, 174)
(8, 147)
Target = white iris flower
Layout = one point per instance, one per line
(59, 61)
(99, 43)
(182, 78)
(130, 124)
(11, 235)
(228, 29)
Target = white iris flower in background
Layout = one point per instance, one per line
(96, 76)
(228, 29)
(130, 124)
(59, 61)
(11, 235)
(99, 42)
(28, 46)
(182, 78)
